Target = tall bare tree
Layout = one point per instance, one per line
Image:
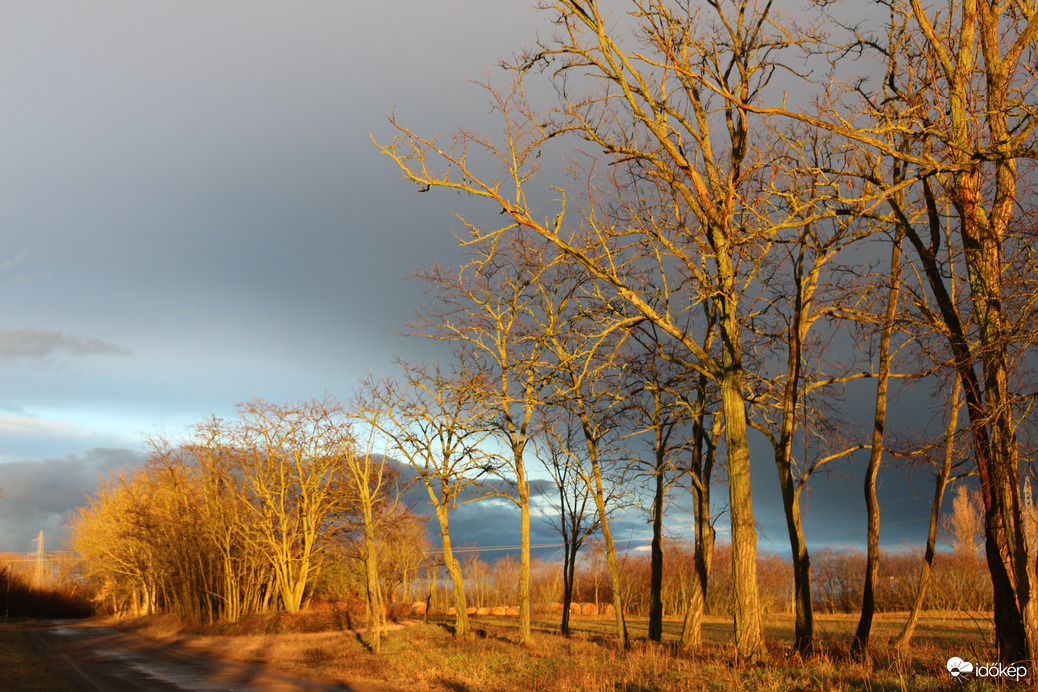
(949, 122)
(649, 109)
(868, 605)
(365, 476)
(576, 518)
(486, 310)
(435, 421)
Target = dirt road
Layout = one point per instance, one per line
(106, 660)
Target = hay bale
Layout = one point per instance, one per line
(356, 607)
(574, 609)
(452, 611)
(538, 609)
(418, 608)
(607, 609)
(498, 611)
(399, 611)
(556, 607)
(588, 609)
(471, 610)
(513, 611)
(482, 611)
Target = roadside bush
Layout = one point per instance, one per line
(20, 599)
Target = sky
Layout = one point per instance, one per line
(193, 214)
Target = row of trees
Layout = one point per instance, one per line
(747, 226)
(24, 595)
(717, 262)
(209, 527)
(837, 578)
(244, 515)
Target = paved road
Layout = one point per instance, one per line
(106, 660)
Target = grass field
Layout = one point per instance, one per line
(20, 667)
(419, 656)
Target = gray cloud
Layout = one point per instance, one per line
(197, 183)
(39, 494)
(33, 346)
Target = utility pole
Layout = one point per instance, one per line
(38, 576)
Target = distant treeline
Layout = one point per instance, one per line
(959, 581)
(19, 598)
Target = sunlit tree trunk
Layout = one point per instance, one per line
(461, 618)
(868, 605)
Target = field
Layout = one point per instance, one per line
(20, 667)
(424, 656)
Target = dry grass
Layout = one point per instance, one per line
(20, 667)
(427, 657)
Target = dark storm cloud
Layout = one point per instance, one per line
(195, 183)
(493, 525)
(36, 347)
(486, 516)
(40, 494)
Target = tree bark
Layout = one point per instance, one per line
(691, 631)
(656, 565)
(868, 604)
(749, 631)
(524, 551)
(612, 564)
(461, 618)
(374, 592)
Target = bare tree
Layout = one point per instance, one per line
(943, 476)
(649, 112)
(289, 461)
(949, 123)
(576, 518)
(435, 422)
(486, 310)
(365, 476)
(868, 606)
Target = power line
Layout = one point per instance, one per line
(480, 549)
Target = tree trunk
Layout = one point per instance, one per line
(611, 562)
(374, 593)
(524, 551)
(701, 469)
(461, 618)
(656, 576)
(868, 603)
(569, 573)
(804, 627)
(904, 638)
(749, 631)
(692, 630)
